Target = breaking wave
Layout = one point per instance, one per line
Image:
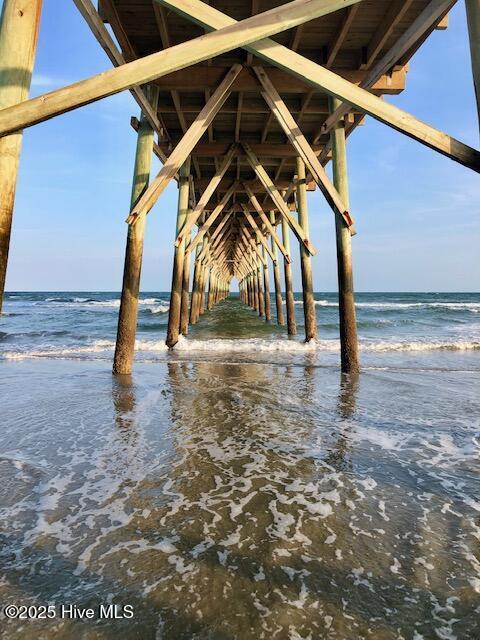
(244, 345)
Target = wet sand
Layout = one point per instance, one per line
(227, 500)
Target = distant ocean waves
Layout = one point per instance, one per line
(82, 325)
(473, 307)
(150, 305)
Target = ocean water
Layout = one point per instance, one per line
(240, 487)
(83, 325)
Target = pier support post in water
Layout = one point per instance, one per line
(19, 24)
(305, 260)
(127, 316)
(256, 296)
(346, 295)
(178, 258)
(261, 296)
(266, 282)
(203, 281)
(473, 19)
(185, 290)
(195, 290)
(289, 299)
(197, 275)
(211, 285)
(276, 276)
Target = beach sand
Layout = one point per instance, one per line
(227, 498)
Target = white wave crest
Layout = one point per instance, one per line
(295, 346)
(112, 303)
(158, 308)
(433, 345)
(246, 345)
(455, 306)
(97, 347)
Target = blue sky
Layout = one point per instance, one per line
(417, 212)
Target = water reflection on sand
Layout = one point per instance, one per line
(245, 501)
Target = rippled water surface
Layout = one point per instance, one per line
(241, 493)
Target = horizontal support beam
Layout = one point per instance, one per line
(201, 77)
(253, 106)
(255, 185)
(267, 150)
(158, 64)
(332, 84)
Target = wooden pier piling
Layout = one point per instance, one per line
(211, 287)
(203, 283)
(305, 260)
(19, 25)
(289, 298)
(173, 329)
(266, 286)
(128, 313)
(276, 277)
(195, 290)
(185, 291)
(261, 294)
(346, 296)
(256, 292)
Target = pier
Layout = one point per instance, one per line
(244, 111)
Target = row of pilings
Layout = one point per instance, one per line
(216, 262)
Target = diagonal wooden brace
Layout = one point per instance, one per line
(258, 232)
(213, 216)
(206, 195)
(99, 30)
(280, 203)
(328, 82)
(184, 147)
(304, 150)
(271, 229)
(159, 64)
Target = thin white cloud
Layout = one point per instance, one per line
(43, 80)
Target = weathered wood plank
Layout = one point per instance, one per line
(18, 43)
(278, 200)
(154, 66)
(417, 29)
(205, 197)
(184, 147)
(334, 85)
(200, 76)
(304, 150)
(94, 21)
